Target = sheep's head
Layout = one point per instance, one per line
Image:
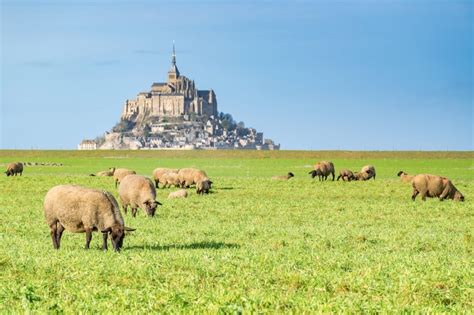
(313, 173)
(458, 196)
(150, 207)
(204, 186)
(290, 174)
(117, 234)
(401, 172)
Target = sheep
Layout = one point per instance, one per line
(434, 186)
(138, 191)
(159, 172)
(110, 172)
(286, 177)
(120, 174)
(346, 175)
(190, 176)
(169, 179)
(14, 168)
(79, 209)
(322, 170)
(369, 170)
(405, 177)
(182, 193)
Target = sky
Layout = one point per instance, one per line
(311, 75)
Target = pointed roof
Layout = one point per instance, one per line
(174, 68)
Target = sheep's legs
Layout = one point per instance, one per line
(88, 237)
(59, 234)
(156, 184)
(104, 237)
(125, 207)
(134, 212)
(415, 193)
(54, 228)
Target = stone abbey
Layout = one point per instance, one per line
(177, 96)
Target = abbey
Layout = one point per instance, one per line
(177, 96)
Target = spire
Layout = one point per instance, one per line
(173, 73)
(173, 60)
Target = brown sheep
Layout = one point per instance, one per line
(369, 170)
(14, 168)
(346, 175)
(322, 170)
(120, 174)
(110, 172)
(190, 176)
(434, 186)
(159, 172)
(182, 193)
(79, 209)
(405, 177)
(286, 177)
(169, 179)
(138, 191)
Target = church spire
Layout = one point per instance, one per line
(173, 73)
(173, 60)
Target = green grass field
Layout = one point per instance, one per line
(253, 244)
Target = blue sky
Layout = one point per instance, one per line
(356, 75)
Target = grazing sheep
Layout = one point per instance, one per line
(346, 175)
(138, 192)
(322, 170)
(169, 179)
(190, 176)
(120, 174)
(434, 186)
(286, 177)
(14, 168)
(369, 170)
(182, 193)
(158, 173)
(79, 209)
(110, 172)
(405, 177)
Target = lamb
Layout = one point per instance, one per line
(322, 170)
(346, 175)
(14, 168)
(169, 179)
(158, 173)
(121, 173)
(138, 192)
(405, 177)
(182, 193)
(190, 176)
(110, 172)
(286, 177)
(79, 209)
(434, 186)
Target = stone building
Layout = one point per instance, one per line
(87, 145)
(176, 97)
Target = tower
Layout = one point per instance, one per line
(173, 73)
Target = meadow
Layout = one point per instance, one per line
(253, 244)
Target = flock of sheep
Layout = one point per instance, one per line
(80, 209)
(424, 184)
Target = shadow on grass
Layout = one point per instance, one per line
(198, 245)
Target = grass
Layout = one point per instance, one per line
(253, 244)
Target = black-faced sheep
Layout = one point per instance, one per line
(79, 209)
(121, 173)
(14, 168)
(158, 174)
(138, 192)
(405, 177)
(110, 172)
(346, 175)
(322, 170)
(434, 186)
(286, 177)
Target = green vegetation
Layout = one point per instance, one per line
(253, 244)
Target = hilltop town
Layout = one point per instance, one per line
(176, 115)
